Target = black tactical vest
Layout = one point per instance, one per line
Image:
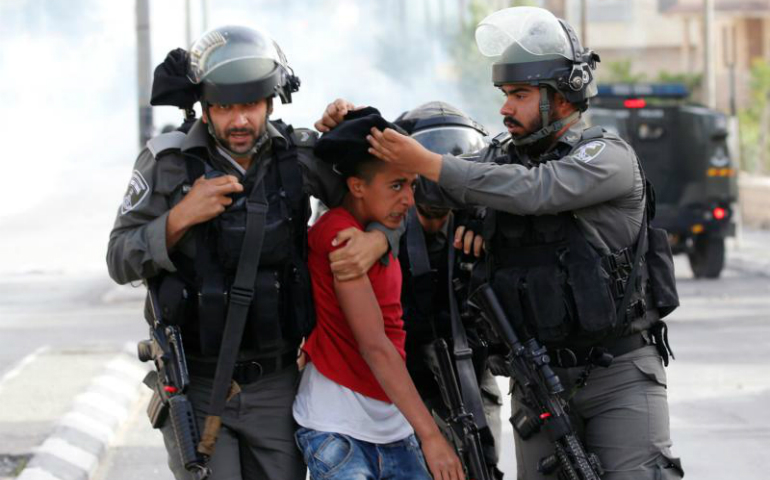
(281, 310)
(553, 284)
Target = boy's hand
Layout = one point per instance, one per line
(441, 459)
(362, 250)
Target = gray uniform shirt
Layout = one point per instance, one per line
(599, 182)
(137, 246)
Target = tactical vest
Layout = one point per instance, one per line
(198, 293)
(553, 284)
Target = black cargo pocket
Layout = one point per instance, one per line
(593, 300)
(230, 229)
(176, 301)
(546, 297)
(264, 314)
(660, 264)
(298, 300)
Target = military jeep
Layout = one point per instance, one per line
(684, 153)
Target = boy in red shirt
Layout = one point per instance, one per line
(357, 406)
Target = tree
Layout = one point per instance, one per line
(755, 119)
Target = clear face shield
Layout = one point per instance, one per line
(450, 139)
(536, 30)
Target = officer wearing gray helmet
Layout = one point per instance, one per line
(566, 207)
(184, 220)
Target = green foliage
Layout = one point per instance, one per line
(692, 81)
(753, 132)
(621, 71)
(474, 70)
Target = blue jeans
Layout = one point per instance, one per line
(334, 455)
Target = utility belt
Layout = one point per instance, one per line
(245, 372)
(569, 357)
(603, 353)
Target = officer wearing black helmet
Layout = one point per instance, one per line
(217, 217)
(566, 213)
(424, 256)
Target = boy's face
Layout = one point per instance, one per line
(387, 197)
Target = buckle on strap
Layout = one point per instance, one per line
(241, 296)
(463, 353)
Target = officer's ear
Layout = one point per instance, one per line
(270, 106)
(561, 106)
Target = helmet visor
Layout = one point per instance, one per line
(451, 140)
(244, 54)
(536, 30)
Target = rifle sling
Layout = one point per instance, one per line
(463, 355)
(241, 295)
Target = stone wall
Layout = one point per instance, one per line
(755, 200)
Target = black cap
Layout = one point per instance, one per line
(345, 146)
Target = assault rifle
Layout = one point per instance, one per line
(528, 364)
(170, 383)
(463, 432)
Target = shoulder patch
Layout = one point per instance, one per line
(137, 191)
(303, 137)
(589, 151)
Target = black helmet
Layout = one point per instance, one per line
(530, 45)
(442, 128)
(235, 64)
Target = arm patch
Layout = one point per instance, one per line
(304, 137)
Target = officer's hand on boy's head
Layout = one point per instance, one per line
(334, 114)
(359, 252)
(468, 241)
(208, 198)
(404, 153)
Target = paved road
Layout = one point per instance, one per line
(57, 332)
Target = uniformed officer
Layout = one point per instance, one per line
(193, 199)
(566, 208)
(424, 255)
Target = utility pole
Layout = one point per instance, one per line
(205, 19)
(187, 24)
(143, 70)
(584, 22)
(709, 73)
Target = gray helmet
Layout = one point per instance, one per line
(530, 45)
(236, 64)
(442, 128)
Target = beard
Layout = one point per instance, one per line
(535, 149)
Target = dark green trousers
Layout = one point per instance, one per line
(621, 415)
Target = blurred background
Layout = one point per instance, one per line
(74, 91)
(76, 74)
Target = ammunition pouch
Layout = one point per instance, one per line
(660, 264)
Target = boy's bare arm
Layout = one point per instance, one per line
(360, 307)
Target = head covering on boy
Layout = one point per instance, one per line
(345, 146)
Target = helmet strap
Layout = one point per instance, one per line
(548, 128)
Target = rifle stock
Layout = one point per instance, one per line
(165, 350)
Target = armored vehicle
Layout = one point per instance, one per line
(684, 152)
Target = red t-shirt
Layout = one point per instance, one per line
(331, 346)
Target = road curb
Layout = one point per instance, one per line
(81, 437)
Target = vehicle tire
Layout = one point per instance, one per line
(707, 257)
